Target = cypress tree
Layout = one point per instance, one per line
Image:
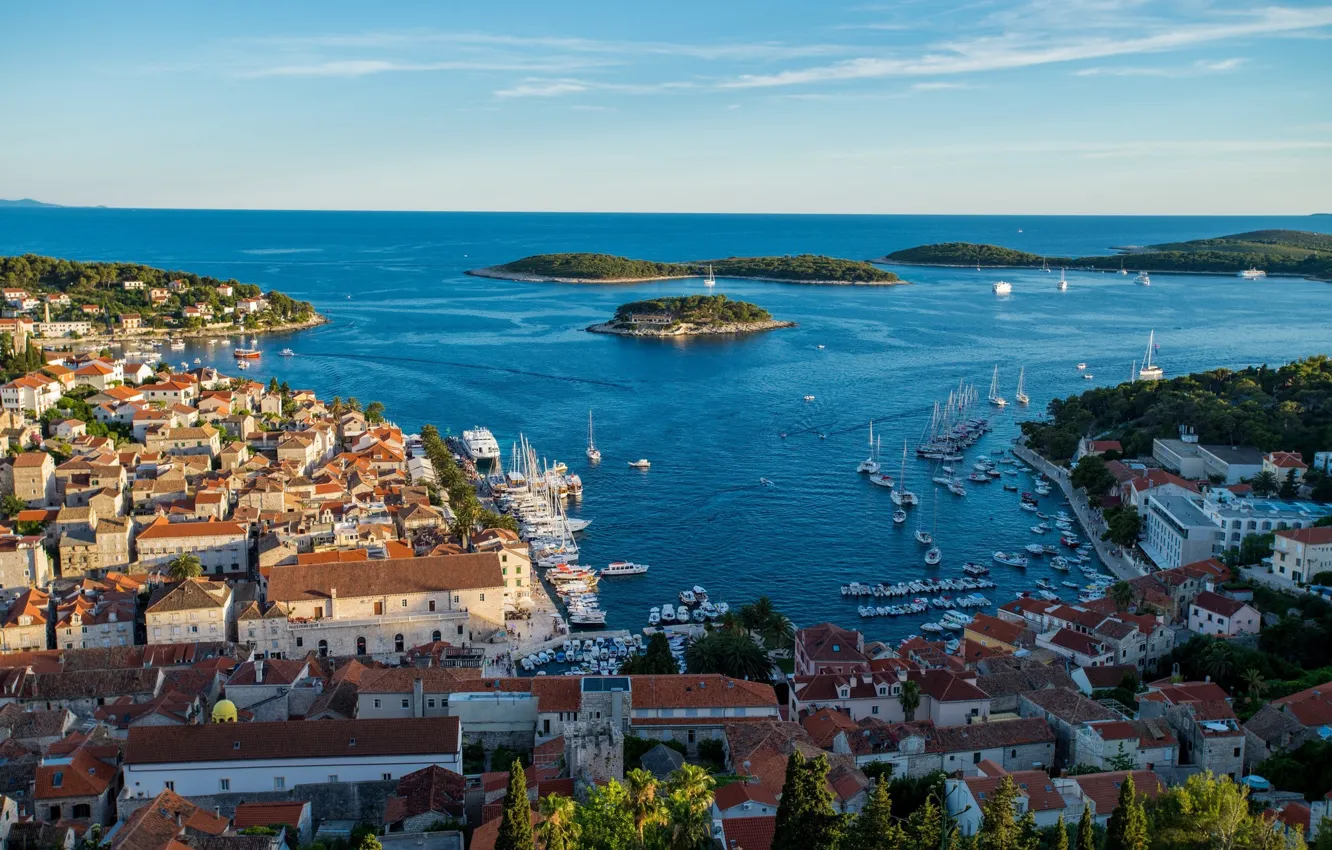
(1061, 835)
(999, 829)
(1086, 831)
(1127, 829)
(805, 817)
(874, 828)
(515, 832)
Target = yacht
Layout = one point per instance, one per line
(245, 353)
(1149, 371)
(177, 345)
(687, 597)
(593, 453)
(1003, 287)
(667, 614)
(996, 399)
(882, 479)
(480, 444)
(1082, 367)
(641, 463)
(287, 352)
(933, 556)
(709, 280)
(1063, 282)
(1253, 274)
(1143, 278)
(623, 568)
(899, 516)
(901, 496)
(869, 464)
(1013, 560)
(809, 398)
(1021, 394)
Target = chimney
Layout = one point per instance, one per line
(418, 697)
(258, 671)
(332, 600)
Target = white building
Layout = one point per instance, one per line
(1299, 555)
(1178, 531)
(1238, 517)
(252, 758)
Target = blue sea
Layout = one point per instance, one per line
(411, 330)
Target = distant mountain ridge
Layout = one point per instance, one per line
(25, 202)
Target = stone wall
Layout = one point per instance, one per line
(594, 750)
(360, 801)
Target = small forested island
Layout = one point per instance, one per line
(608, 268)
(1287, 408)
(689, 315)
(67, 298)
(1276, 252)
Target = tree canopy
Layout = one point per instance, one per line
(608, 267)
(695, 309)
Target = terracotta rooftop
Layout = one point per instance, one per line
(749, 833)
(700, 690)
(389, 576)
(1103, 788)
(292, 739)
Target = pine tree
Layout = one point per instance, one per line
(1061, 835)
(515, 832)
(926, 824)
(1086, 831)
(999, 829)
(1127, 829)
(805, 817)
(874, 828)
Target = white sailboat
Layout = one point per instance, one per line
(869, 464)
(1021, 394)
(1063, 281)
(933, 555)
(593, 453)
(709, 280)
(881, 479)
(926, 538)
(1149, 371)
(903, 497)
(996, 399)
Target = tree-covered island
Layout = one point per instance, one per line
(689, 315)
(1277, 252)
(70, 299)
(607, 268)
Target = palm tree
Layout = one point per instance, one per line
(757, 615)
(689, 808)
(731, 623)
(335, 406)
(1216, 661)
(464, 519)
(641, 788)
(1254, 683)
(910, 699)
(1121, 592)
(1265, 483)
(558, 830)
(184, 566)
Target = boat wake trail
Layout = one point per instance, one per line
(569, 379)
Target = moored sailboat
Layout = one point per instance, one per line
(996, 399)
(870, 464)
(593, 453)
(1021, 394)
(901, 496)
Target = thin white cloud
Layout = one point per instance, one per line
(940, 86)
(1101, 150)
(366, 67)
(533, 87)
(1010, 51)
(1202, 66)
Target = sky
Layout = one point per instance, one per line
(907, 106)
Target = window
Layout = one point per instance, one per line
(456, 599)
(360, 646)
(387, 776)
(397, 643)
(430, 703)
(323, 649)
(975, 758)
(1012, 754)
(404, 603)
(169, 785)
(436, 636)
(482, 597)
(224, 784)
(332, 777)
(406, 703)
(1237, 752)
(300, 641)
(874, 709)
(432, 607)
(376, 703)
(279, 783)
(691, 736)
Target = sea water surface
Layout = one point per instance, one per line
(411, 330)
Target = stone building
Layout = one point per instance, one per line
(190, 611)
(34, 479)
(222, 547)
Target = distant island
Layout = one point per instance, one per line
(689, 315)
(608, 268)
(1277, 252)
(24, 202)
(75, 300)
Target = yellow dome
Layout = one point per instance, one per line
(224, 711)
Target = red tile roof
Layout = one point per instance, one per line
(748, 833)
(163, 529)
(1103, 788)
(1035, 785)
(269, 814)
(702, 690)
(392, 575)
(738, 793)
(292, 739)
(1320, 536)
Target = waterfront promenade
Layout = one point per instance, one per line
(1092, 523)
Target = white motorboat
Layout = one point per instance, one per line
(593, 453)
(667, 614)
(870, 465)
(1035, 548)
(623, 568)
(1012, 560)
(641, 463)
(809, 398)
(931, 627)
(1003, 287)
(1082, 366)
(681, 614)
(1088, 376)
(286, 352)
(1253, 274)
(687, 597)
(480, 444)
(1143, 278)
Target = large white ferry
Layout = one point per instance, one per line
(481, 444)
(1253, 274)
